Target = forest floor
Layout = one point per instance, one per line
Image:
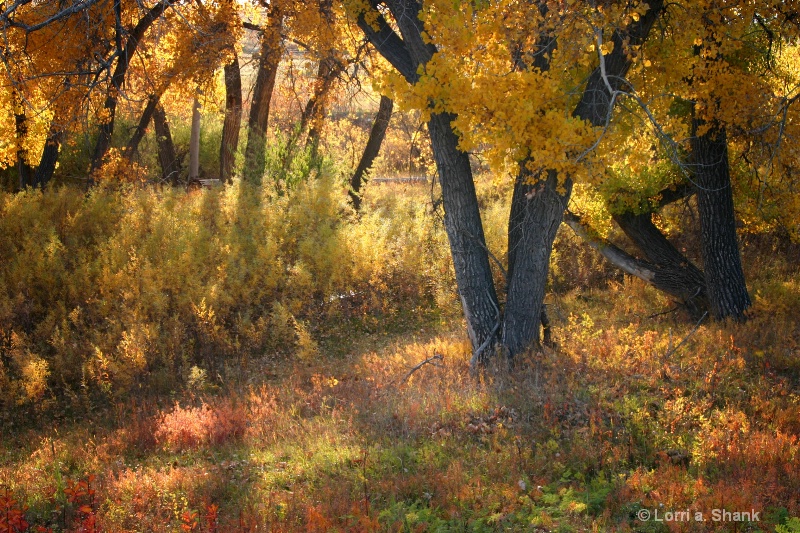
(633, 422)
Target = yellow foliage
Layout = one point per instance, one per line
(110, 290)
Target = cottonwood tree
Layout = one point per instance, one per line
(719, 93)
(107, 53)
(493, 72)
(48, 79)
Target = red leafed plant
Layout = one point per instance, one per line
(80, 494)
(12, 516)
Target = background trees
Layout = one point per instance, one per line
(640, 103)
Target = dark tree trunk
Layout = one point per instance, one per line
(462, 217)
(462, 221)
(371, 150)
(147, 115)
(118, 79)
(233, 120)
(536, 211)
(537, 208)
(47, 163)
(268, 62)
(24, 170)
(672, 272)
(167, 156)
(727, 291)
(316, 108)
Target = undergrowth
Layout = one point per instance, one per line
(320, 386)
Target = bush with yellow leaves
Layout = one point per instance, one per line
(128, 287)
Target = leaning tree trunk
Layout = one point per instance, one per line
(537, 209)
(680, 279)
(462, 222)
(233, 120)
(462, 217)
(673, 273)
(147, 115)
(376, 135)
(727, 291)
(268, 62)
(167, 155)
(106, 129)
(314, 113)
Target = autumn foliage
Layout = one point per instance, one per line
(211, 322)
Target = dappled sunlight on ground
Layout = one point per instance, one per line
(400, 435)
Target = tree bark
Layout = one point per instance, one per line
(233, 120)
(268, 62)
(371, 150)
(727, 291)
(673, 272)
(167, 155)
(462, 222)
(536, 211)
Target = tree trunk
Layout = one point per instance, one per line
(328, 70)
(536, 211)
(268, 61)
(47, 163)
(233, 120)
(462, 222)
(167, 156)
(672, 272)
(665, 267)
(147, 115)
(316, 108)
(537, 208)
(727, 291)
(376, 135)
(24, 170)
(194, 142)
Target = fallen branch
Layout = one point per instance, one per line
(429, 360)
(686, 338)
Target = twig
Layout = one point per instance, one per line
(429, 360)
(686, 338)
(668, 311)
